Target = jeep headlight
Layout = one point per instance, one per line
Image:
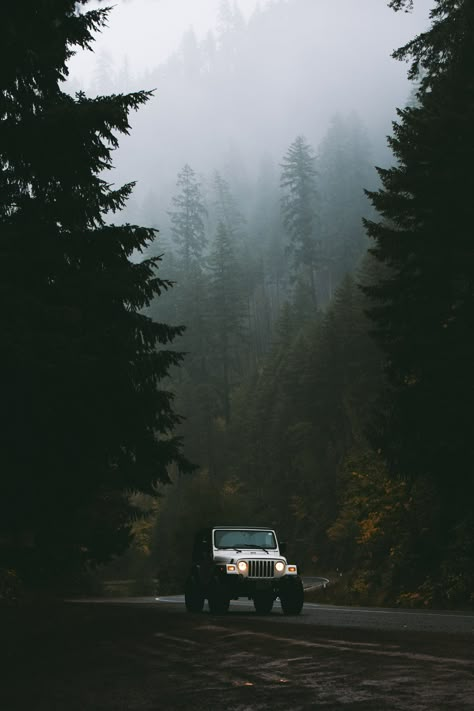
(242, 566)
(279, 566)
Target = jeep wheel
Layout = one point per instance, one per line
(263, 602)
(193, 596)
(292, 597)
(218, 599)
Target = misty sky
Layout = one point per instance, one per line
(288, 72)
(146, 32)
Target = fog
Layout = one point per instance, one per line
(236, 83)
(274, 330)
(144, 33)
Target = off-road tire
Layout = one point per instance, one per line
(193, 597)
(292, 596)
(263, 602)
(218, 599)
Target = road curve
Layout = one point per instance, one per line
(356, 617)
(368, 618)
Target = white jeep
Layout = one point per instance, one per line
(229, 562)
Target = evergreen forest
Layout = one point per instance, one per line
(286, 345)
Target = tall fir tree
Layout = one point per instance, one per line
(267, 228)
(423, 306)
(82, 416)
(226, 208)
(187, 219)
(298, 206)
(231, 24)
(227, 311)
(344, 171)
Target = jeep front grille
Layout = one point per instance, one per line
(261, 568)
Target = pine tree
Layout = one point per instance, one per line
(226, 209)
(298, 205)
(226, 311)
(423, 306)
(82, 417)
(187, 218)
(344, 172)
(231, 24)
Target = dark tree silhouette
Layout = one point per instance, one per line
(423, 307)
(227, 311)
(82, 416)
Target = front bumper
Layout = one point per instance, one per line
(238, 585)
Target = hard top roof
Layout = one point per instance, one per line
(210, 529)
(244, 528)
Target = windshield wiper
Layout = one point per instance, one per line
(228, 548)
(254, 545)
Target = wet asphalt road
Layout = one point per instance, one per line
(369, 618)
(144, 654)
(356, 617)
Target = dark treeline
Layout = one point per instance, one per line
(83, 418)
(323, 380)
(326, 392)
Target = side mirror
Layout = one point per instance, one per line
(283, 547)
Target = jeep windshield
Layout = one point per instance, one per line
(241, 538)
